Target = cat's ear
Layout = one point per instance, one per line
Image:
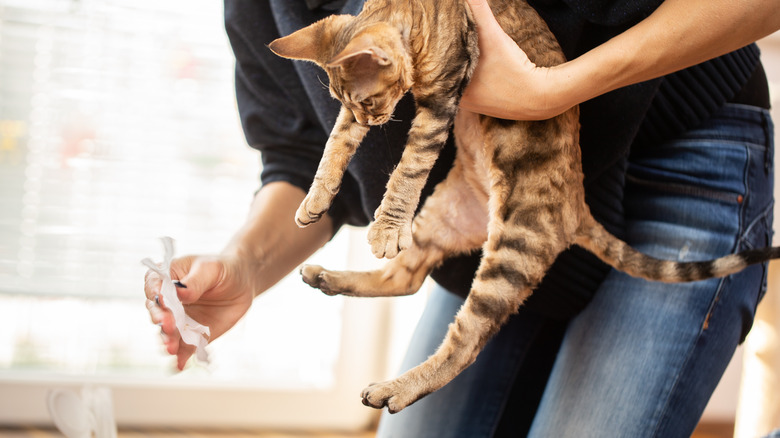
(311, 42)
(361, 51)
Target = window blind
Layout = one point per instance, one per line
(118, 125)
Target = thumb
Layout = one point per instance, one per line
(480, 9)
(204, 274)
(475, 4)
(482, 13)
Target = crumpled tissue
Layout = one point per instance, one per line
(192, 332)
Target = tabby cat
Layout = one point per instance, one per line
(516, 186)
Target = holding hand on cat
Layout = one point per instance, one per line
(505, 73)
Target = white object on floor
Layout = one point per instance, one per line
(88, 415)
(191, 331)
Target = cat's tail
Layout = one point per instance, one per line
(623, 257)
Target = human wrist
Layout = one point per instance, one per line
(572, 83)
(245, 260)
(556, 91)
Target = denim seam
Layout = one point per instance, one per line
(748, 195)
(685, 189)
(688, 355)
(488, 428)
(745, 113)
(697, 141)
(743, 241)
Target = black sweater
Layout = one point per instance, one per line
(287, 114)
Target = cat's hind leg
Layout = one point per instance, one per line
(499, 289)
(452, 221)
(523, 241)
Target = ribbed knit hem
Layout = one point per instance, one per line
(687, 98)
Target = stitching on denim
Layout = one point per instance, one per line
(696, 140)
(685, 189)
(498, 406)
(742, 112)
(743, 238)
(688, 355)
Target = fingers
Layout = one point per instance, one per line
(183, 354)
(162, 316)
(152, 284)
(169, 334)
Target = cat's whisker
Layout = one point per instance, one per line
(324, 85)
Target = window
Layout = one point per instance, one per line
(118, 125)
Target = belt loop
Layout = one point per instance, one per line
(766, 125)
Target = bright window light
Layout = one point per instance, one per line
(118, 125)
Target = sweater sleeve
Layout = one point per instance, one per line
(276, 114)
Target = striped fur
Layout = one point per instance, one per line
(623, 257)
(515, 189)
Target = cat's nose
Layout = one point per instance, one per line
(362, 119)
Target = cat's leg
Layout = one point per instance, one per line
(391, 231)
(404, 275)
(438, 233)
(342, 144)
(522, 243)
(499, 289)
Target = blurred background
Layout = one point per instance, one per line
(117, 126)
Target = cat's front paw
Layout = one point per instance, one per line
(316, 277)
(393, 394)
(387, 238)
(312, 208)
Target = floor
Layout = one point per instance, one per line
(724, 430)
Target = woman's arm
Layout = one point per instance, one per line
(270, 240)
(679, 34)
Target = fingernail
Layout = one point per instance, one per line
(178, 283)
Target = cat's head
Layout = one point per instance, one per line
(369, 67)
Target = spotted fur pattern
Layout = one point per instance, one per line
(515, 189)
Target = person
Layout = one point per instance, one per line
(677, 152)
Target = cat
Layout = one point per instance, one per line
(517, 187)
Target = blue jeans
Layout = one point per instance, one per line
(643, 358)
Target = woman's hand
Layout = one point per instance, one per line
(219, 289)
(506, 84)
(218, 293)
